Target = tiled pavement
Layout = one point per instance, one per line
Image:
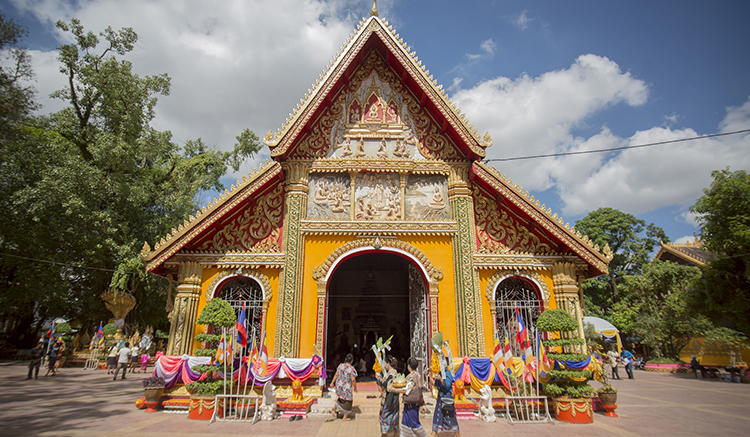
(89, 403)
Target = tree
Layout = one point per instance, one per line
(17, 98)
(664, 321)
(631, 241)
(723, 294)
(89, 184)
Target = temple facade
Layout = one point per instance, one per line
(376, 217)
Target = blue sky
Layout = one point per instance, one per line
(540, 76)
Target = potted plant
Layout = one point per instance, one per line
(608, 397)
(568, 385)
(153, 388)
(216, 314)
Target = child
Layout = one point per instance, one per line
(144, 362)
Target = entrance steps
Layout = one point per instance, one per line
(367, 402)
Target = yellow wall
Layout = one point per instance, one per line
(270, 324)
(711, 356)
(319, 247)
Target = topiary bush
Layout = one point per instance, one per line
(217, 314)
(567, 383)
(110, 329)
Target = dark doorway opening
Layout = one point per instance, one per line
(368, 298)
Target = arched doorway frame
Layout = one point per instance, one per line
(322, 275)
(227, 275)
(533, 277)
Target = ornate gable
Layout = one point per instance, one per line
(509, 221)
(245, 219)
(376, 101)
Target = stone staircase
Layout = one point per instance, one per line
(366, 403)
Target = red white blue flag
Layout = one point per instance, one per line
(241, 329)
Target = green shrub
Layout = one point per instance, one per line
(217, 314)
(565, 383)
(110, 329)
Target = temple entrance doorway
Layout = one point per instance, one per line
(375, 295)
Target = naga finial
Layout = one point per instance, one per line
(374, 11)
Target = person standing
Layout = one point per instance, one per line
(612, 358)
(410, 425)
(444, 419)
(112, 359)
(345, 383)
(54, 353)
(627, 359)
(123, 358)
(388, 418)
(36, 360)
(135, 361)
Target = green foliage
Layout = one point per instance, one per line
(564, 383)
(563, 342)
(556, 320)
(208, 338)
(723, 293)
(205, 352)
(218, 312)
(607, 389)
(206, 388)
(109, 329)
(63, 328)
(631, 241)
(91, 183)
(665, 322)
(729, 340)
(566, 357)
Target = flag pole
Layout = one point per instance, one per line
(247, 373)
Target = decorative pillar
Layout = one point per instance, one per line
(185, 309)
(434, 306)
(468, 293)
(321, 317)
(352, 194)
(293, 245)
(566, 293)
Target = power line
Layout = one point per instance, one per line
(583, 152)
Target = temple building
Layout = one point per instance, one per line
(376, 217)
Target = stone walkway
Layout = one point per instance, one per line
(89, 403)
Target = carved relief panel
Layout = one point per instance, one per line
(377, 197)
(426, 198)
(328, 197)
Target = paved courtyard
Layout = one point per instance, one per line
(89, 403)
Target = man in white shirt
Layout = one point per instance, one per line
(135, 352)
(123, 357)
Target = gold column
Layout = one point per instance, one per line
(185, 310)
(320, 324)
(566, 293)
(293, 245)
(352, 192)
(402, 183)
(468, 293)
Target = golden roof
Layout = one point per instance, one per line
(284, 137)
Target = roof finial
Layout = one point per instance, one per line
(374, 11)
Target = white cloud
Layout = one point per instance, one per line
(487, 48)
(540, 115)
(245, 64)
(685, 239)
(522, 21)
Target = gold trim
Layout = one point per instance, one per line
(499, 276)
(232, 260)
(378, 227)
(390, 165)
(250, 273)
(321, 272)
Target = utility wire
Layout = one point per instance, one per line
(54, 263)
(583, 152)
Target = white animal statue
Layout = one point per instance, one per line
(486, 412)
(268, 407)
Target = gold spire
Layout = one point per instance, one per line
(374, 11)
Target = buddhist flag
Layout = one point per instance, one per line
(241, 330)
(100, 336)
(262, 363)
(222, 351)
(497, 355)
(522, 336)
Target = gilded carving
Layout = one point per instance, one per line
(328, 196)
(532, 275)
(250, 273)
(499, 230)
(435, 273)
(377, 197)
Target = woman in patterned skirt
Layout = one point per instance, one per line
(388, 418)
(444, 420)
(410, 425)
(345, 383)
